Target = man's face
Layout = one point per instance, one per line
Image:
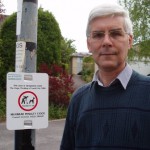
(109, 43)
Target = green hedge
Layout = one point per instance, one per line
(2, 106)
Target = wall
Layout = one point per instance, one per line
(141, 67)
(76, 65)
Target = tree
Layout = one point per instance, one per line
(48, 42)
(139, 13)
(7, 50)
(49, 39)
(2, 94)
(67, 48)
(2, 9)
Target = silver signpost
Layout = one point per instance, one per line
(27, 33)
(27, 91)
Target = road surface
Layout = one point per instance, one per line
(46, 139)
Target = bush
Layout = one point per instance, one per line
(88, 69)
(60, 85)
(57, 112)
(2, 106)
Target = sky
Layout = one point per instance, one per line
(71, 16)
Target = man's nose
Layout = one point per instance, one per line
(107, 40)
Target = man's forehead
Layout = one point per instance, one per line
(107, 22)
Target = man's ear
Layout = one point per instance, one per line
(130, 41)
(88, 45)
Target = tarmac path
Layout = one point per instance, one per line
(46, 139)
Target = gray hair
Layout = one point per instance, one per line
(107, 10)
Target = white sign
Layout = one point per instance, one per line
(27, 100)
(20, 56)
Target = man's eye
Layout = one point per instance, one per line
(116, 34)
(98, 35)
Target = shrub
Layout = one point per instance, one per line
(88, 69)
(57, 112)
(2, 105)
(60, 84)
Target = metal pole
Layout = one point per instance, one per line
(25, 139)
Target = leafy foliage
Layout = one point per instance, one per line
(7, 49)
(49, 39)
(57, 112)
(60, 84)
(66, 50)
(2, 9)
(88, 68)
(140, 15)
(1, 61)
(2, 105)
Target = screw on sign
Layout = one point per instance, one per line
(28, 101)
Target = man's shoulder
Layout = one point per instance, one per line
(82, 90)
(140, 78)
(80, 95)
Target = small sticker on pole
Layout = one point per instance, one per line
(20, 56)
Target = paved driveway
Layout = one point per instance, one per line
(78, 82)
(46, 139)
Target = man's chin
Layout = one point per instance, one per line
(108, 66)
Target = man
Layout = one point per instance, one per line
(113, 111)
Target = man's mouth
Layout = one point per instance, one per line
(114, 53)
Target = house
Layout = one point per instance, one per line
(77, 62)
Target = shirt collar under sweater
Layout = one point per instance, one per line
(123, 77)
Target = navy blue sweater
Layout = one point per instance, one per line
(109, 118)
